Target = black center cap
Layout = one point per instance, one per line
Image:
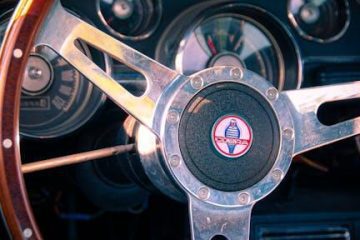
(229, 136)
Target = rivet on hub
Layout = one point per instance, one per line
(173, 116)
(244, 198)
(277, 175)
(288, 133)
(272, 94)
(203, 193)
(174, 160)
(197, 82)
(236, 73)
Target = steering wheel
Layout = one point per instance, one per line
(226, 136)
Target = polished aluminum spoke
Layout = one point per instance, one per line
(60, 32)
(309, 132)
(208, 220)
(75, 158)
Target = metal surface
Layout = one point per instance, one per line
(66, 110)
(151, 157)
(75, 158)
(213, 212)
(70, 28)
(310, 133)
(208, 221)
(169, 137)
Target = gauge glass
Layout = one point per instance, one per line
(230, 40)
(4, 19)
(56, 99)
(130, 19)
(319, 20)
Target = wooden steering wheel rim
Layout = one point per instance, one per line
(18, 42)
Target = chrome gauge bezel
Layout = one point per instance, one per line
(189, 19)
(66, 128)
(142, 36)
(307, 36)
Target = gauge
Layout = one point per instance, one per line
(130, 19)
(56, 99)
(321, 21)
(214, 34)
(231, 40)
(4, 18)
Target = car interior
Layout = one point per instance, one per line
(176, 120)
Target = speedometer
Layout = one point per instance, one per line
(55, 98)
(231, 40)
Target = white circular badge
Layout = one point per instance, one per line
(231, 136)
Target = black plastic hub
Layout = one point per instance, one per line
(196, 136)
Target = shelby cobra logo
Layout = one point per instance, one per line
(231, 136)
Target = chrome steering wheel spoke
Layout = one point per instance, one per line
(291, 119)
(62, 29)
(309, 132)
(208, 221)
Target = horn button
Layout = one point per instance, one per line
(226, 137)
(229, 136)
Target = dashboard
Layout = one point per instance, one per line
(291, 43)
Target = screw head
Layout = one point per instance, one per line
(272, 94)
(236, 73)
(7, 143)
(203, 193)
(27, 233)
(277, 175)
(288, 133)
(197, 82)
(173, 116)
(244, 198)
(17, 53)
(174, 160)
(35, 73)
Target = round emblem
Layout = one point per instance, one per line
(231, 136)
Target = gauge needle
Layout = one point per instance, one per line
(238, 44)
(211, 45)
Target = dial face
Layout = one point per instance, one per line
(130, 19)
(56, 99)
(319, 20)
(230, 40)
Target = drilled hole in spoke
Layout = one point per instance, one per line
(219, 237)
(130, 79)
(335, 112)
